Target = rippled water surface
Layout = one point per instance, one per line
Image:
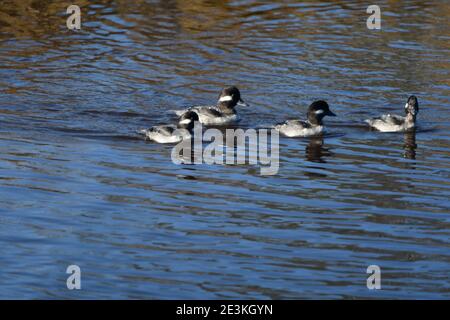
(79, 186)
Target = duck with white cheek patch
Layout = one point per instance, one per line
(312, 126)
(173, 133)
(394, 123)
(221, 114)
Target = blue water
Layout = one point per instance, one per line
(79, 186)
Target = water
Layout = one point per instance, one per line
(78, 186)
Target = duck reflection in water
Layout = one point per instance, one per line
(315, 151)
(410, 145)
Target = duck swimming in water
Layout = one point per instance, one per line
(312, 126)
(394, 123)
(221, 114)
(173, 133)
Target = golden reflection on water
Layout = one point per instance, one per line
(31, 18)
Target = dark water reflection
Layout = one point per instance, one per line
(315, 151)
(410, 145)
(77, 186)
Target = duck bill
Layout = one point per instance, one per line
(330, 114)
(241, 103)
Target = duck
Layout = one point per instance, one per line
(173, 133)
(395, 123)
(312, 126)
(223, 112)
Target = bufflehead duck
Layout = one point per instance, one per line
(394, 123)
(223, 112)
(173, 133)
(312, 126)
